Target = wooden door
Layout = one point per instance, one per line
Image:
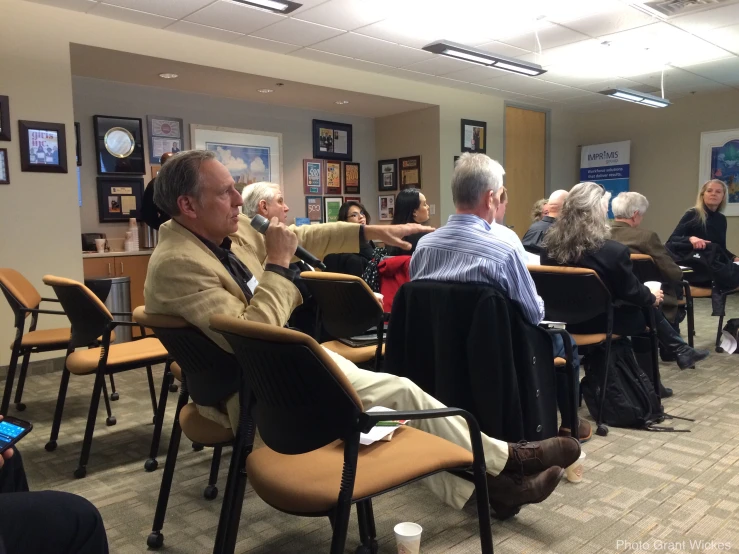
(98, 267)
(134, 267)
(525, 164)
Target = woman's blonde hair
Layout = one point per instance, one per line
(700, 206)
(582, 225)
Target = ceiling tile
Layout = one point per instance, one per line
(674, 79)
(344, 61)
(76, 5)
(234, 17)
(297, 32)
(269, 45)
(131, 16)
(550, 36)
(564, 54)
(168, 8)
(613, 19)
(503, 49)
(417, 35)
(373, 50)
(203, 31)
(346, 14)
(722, 71)
(308, 5)
(565, 93)
(725, 37)
(477, 74)
(709, 19)
(521, 84)
(441, 65)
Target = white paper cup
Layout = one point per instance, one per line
(100, 245)
(379, 296)
(574, 472)
(653, 285)
(408, 537)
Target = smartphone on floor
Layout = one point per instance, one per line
(12, 430)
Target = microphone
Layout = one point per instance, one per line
(261, 224)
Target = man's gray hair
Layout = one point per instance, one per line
(180, 176)
(474, 175)
(626, 204)
(256, 192)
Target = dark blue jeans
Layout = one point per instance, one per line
(563, 381)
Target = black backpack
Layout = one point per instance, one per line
(630, 399)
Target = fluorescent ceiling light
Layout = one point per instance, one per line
(168, 75)
(265, 90)
(481, 57)
(276, 6)
(637, 97)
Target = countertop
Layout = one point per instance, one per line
(117, 254)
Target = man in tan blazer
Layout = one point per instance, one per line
(210, 261)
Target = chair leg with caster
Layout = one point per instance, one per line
(57, 423)
(211, 491)
(97, 390)
(20, 406)
(151, 464)
(113, 394)
(110, 420)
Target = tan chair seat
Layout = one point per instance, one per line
(700, 292)
(146, 351)
(176, 371)
(560, 362)
(202, 430)
(595, 338)
(358, 355)
(309, 483)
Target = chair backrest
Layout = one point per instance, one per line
(571, 294)
(18, 290)
(303, 399)
(87, 313)
(644, 268)
(348, 306)
(211, 373)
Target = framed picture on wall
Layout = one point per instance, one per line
(386, 206)
(313, 177)
(4, 171)
(351, 178)
(4, 118)
(43, 146)
(410, 172)
(314, 209)
(78, 144)
(333, 177)
(387, 175)
(352, 199)
(166, 134)
(119, 198)
(119, 145)
(719, 159)
(332, 140)
(474, 136)
(331, 205)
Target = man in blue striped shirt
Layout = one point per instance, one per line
(471, 248)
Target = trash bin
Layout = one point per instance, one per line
(115, 293)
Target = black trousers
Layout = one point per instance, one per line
(45, 522)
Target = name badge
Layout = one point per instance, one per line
(252, 284)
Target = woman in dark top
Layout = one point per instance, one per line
(579, 238)
(352, 264)
(410, 207)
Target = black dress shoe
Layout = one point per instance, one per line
(664, 392)
(688, 357)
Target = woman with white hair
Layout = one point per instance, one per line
(580, 237)
(628, 210)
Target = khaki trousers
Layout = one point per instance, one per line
(399, 393)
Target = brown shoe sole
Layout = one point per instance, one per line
(503, 512)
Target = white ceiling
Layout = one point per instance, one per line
(586, 45)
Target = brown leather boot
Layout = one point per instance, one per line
(508, 492)
(529, 458)
(584, 431)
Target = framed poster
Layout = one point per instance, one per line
(313, 177)
(4, 171)
(119, 198)
(474, 136)
(4, 118)
(351, 178)
(333, 177)
(43, 146)
(166, 134)
(331, 205)
(386, 207)
(314, 208)
(353, 199)
(119, 145)
(332, 140)
(720, 160)
(387, 175)
(410, 172)
(250, 156)
(78, 144)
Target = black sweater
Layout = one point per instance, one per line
(690, 226)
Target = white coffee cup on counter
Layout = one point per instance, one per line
(100, 245)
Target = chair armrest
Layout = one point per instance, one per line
(37, 311)
(117, 322)
(50, 300)
(122, 313)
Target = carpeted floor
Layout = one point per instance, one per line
(641, 491)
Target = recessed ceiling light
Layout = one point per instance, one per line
(265, 90)
(275, 6)
(168, 75)
(340, 102)
(482, 57)
(637, 97)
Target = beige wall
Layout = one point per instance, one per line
(665, 149)
(94, 96)
(413, 133)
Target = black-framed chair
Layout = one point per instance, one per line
(575, 295)
(646, 270)
(25, 301)
(347, 307)
(90, 319)
(198, 359)
(310, 419)
(707, 293)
